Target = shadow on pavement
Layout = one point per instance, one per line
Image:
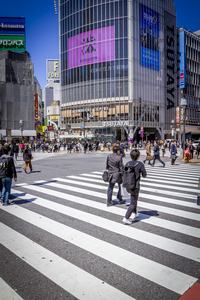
(142, 215)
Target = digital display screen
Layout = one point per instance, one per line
(149, 38)
(91, 47)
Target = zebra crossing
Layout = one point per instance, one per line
(61, 231)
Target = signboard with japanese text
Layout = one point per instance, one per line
(149, 38)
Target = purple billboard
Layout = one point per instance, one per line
(91, 47)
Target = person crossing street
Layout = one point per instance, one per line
(156, 152)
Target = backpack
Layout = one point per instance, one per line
(129, 177)
(3, 167)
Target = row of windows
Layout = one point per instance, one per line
(193, 42)
(94, 11)
(67, 26)
(193, 91)
(193, 79)
(110, 89)
(193, 54)
(111, 112)
(193, 66)
(113, 69)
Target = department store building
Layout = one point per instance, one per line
(118, 67)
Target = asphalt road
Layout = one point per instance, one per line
(60, 241)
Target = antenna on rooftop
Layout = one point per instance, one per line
(55, 2)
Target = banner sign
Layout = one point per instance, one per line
(94, 46)
(52, 70)
(12, 42)
(115, 123)
(182, 60)
(149, 38)
(11, 25)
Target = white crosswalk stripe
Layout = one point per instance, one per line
(169, 193)
(6, 292)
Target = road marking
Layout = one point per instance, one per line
(177, 227)
(152, 239)
(180, 172)
(148, 196)
(149, 176)
(174, 183)
(6, 292)
(171, 187)
(76, 281)
(172, 211)
(148, 173)
(158, 273)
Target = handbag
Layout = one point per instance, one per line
(105, 176)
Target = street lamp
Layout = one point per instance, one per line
(21, 124)
(183, 105)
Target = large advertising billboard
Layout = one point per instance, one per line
(11, 25)
(182, 60)
(94, 46)
(14, 43)
(149, 38)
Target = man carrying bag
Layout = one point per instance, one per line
(114, 165)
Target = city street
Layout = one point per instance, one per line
(59, 240)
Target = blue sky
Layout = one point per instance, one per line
(42, 26)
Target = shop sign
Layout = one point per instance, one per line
(115, 123)
(12, 25)
(12, 42)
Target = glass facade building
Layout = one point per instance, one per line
(115, 66)
(189, 82)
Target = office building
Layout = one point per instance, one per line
(16, 95)
(52, 90)
(189, 82)
(118, 67)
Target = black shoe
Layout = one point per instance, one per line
(122, 201)
(163, 165)
(110, 203)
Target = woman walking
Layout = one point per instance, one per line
(148, 153)
(27, 156)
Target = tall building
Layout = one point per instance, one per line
(16, 95)
(189, 82)
(118, 67)
(39, 114)
(52, 87)
(16, 81)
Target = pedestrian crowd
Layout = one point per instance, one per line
(128, 176)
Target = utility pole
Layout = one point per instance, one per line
(183, 105)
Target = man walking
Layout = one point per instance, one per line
(137, 169)
(173, 152)
(114, 165)
(7, 172)
(156, 153)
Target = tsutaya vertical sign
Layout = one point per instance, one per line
(170, 58)
(170, 67)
